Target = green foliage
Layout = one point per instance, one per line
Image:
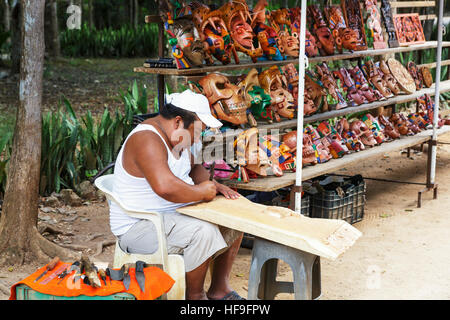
(75, 148)
(124, 42)
(4, 46)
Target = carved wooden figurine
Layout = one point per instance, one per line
(353, 19)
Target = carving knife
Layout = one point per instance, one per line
(140, 276)
(211, 171)
(50, 266)
(126, 276)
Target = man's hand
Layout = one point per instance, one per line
(226, 191)
(208, 190)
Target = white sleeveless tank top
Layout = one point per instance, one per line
(137, 193)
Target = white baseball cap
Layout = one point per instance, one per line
(194, 102)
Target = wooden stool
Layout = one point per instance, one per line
(262, 282)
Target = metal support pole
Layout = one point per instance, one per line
(436, 95)
(301, 89)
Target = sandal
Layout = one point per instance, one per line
(233, 295)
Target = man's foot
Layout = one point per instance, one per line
(197, 296)
(232, 295)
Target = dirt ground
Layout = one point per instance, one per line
(404, 252)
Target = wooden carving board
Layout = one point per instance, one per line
(327, 238)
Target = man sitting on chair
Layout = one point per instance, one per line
(155, 171)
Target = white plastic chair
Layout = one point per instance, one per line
(172, 264)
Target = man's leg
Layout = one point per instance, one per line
(195, 281)
(221, 271)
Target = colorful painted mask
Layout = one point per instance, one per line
(214, 33)
(311, 48)
(354, 95)
(288, 40)
(316, 93)
(274, 83)
(354, 21)
(417, 76)
(256, 98)
(331, 85)
(388, 78)
(226, 100)
(374, 76)
(291, 75)
(267, 36)
(187, 47)
(363, 132)
(321, 30)
(400, 124)
(344, 37)
(320, 145)
(373, 124)
(388, 128)
(337, 145)
(374, 24)
(236, 16)
(308, 151)
(351, 140)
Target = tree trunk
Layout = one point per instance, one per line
(19, 239)
(91, 14)
(136, 14)
(6, 15)
(15, 38)
(56, 46)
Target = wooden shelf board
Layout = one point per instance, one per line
(268, 184)
(249, 64)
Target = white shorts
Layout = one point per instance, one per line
(195, 239)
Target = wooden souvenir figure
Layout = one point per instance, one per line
(316, 92)
(308, 152)
(375, 77)
(332, 86)
(275, 84)
(187, 47)
(214, 33)
(226, 100)
(374, 24)
(373, 124)
(256, 98)
(267, 36)
(320, 145)
(363, 132)
(389, 23)
(288, 40)
(320, 28)
(354, 95)
(417, 76)
(345, 37)
(337, 145)
(236, 16)
(353, 20)
(388, 78)
(388, 128)
(351, 140)
(408, 29)
(363, 85)
(311, 48)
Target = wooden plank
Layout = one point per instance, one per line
(412, 4)
(268, 184)
(153, 19)
(249, 64)
(427, 17)
(433, 64)
(328, 238)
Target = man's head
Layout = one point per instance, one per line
(189, 115)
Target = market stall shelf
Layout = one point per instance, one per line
(262, 64)
(268, 184)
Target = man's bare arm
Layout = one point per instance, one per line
(150, 158)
